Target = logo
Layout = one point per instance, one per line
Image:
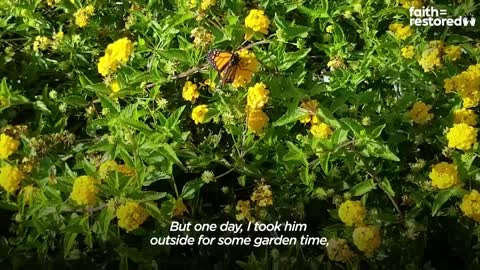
(430, 16)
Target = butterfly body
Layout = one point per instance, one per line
(225, 62)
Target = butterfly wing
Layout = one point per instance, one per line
(220, 60)
(228, 75)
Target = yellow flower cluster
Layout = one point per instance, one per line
(318, 129)
(420, 113)
(201, 37)
(190, 91)
(444, 175)
(8, 146)
(465, 116)
(257, 21)
(453, 52)
(467, 85)
(28, 194)
(257, 120)
(82, 16)
(57, 39)
(115, 87)
(321, 130)
(243, 211)
(53, 2)
(336, 63)
(461, 136)
(10, 178)
(352, 213)
(198, 114)
(470, 205)
(262, 195)
(338, 250)
(117, 53)
(257, 96)
(41, 43)
(84, 191)
(367, 238)
(311, 106)
(179, 209)
(131, 215)
(248, 65)
(432, 56)
(204, 4)
(401, 31)
(110, 166)
(408, 52)
(412, 3)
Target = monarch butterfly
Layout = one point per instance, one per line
(225, 62)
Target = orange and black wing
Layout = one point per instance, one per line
(228, 75)
(220, 60)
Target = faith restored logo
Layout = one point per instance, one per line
(430, 16)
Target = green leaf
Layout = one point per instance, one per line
(167, 151)
(290, 58)
(381, 151)
(68, 242)
(153, 211)
(144, 196)
(441, 198)
(242, 179)
(107, 103)
(42, 107)
(324, 160)
(387, 187)
(291, 116)
(135, 124)
(295, 154)
(376, 132)
(363, 188)
(74, 100)
(354, 126)
(191, 188)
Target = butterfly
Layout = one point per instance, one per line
(225, 62)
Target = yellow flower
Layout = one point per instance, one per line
(321, 130)
(41, 43)
(467, 84)
(257, 120)
(115, 87)
(466, 116)
(53, 2)
(120, 50)
(243, 211)
(470, 205)
(107, 65)
(106, 168)
(257, 21)
(400, 31)
(329, 29)
(367, 238)
(453, 52)
(179, 209)
(57, 39)
(262, 195)
(311, 106)
(131, 215)
(432, 56)
(336, 63)
(257, 96)
(198, 113)
(190, 91)
(82, 16)
(248, 65)
(206, 4)
(420, 113)
(28, 192)
(461, 136)
(352, 213)
(408, 52)
(444, 175)
(201, 37)
(8, 146)
(125, 170)
(338, 250)
(117, 53)
(211, 84)
(84, 190)
(10, 178)
(411, 3)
